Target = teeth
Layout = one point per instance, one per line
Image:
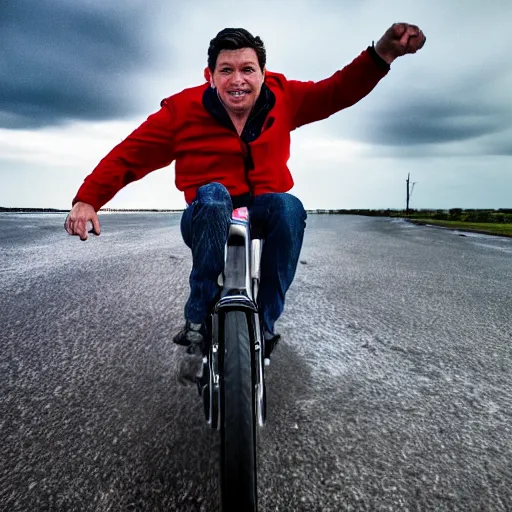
(237, 93)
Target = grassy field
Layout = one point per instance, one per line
(477, 227)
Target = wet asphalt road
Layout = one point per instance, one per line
(390, 391)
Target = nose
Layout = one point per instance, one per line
(238, 77)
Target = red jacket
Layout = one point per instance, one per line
(205, 151)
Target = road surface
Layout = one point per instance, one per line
(391, 389)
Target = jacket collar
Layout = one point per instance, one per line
(265, 102)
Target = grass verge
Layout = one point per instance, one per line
(475, 227)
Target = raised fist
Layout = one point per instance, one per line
(398, 40)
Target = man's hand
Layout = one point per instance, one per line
(76, 221)
(398, 40)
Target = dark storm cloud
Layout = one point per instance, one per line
(469, 106)
(423, 124)
(64, 60)
(435, 121)
(502, 146)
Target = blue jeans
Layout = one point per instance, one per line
(280, 218)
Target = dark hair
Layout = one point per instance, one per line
(235, 39)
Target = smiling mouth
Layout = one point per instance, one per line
(238, 94)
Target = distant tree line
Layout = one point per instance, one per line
(54, 210)
(369, 213)
(502, 215)
(131, 210)
(31, 210)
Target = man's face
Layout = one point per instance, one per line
(238, 80)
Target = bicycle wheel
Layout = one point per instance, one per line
(238, 419)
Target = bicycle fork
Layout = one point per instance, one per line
(240, 284)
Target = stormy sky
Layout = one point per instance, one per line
(77, 76)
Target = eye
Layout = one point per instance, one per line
(248, 70)
(225, 70)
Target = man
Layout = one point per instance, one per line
(230, 139)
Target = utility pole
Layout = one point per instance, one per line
(409, 192)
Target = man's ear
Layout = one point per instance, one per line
(208, 76)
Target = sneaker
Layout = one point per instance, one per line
(271, 341)
(191, 335)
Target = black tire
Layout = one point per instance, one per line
(238, 419)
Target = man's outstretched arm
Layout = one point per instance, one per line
(149, 147)
(313, 101)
